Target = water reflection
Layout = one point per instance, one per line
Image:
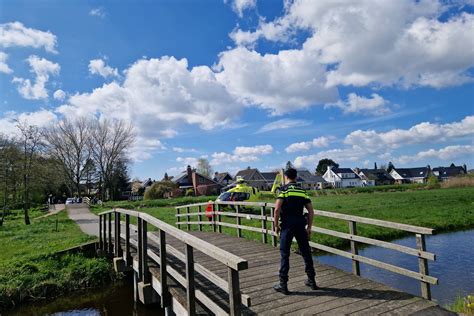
(454, 265)
(115, 300)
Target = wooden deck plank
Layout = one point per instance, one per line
(341, 293)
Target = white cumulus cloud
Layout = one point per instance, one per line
(40, 118)
(239, 6)
(16, 34)
(376, 105)
(98, 67)
(305, 146)
(59, 95)
(42, 69)
(447, 153)
(3, 64)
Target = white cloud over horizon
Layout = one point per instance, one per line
(98, 67)
(319, 142)
(375, 105)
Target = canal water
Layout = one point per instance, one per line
(454, 265)
(115, 300)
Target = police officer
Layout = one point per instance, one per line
(289, 208)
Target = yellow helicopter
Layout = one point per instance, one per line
(240, 191)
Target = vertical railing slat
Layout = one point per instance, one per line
(128, 255)
(264, 224)
(188, 218)
(190, 285)
(219, 219)
(423, 266)
(200, 217)
(110, 245)
(144, 252)
(178, 220)
(274, 238)
(239, 231)
(354, 250)
(165, 298)
(118, 245)
(235, 303)
(100, 233)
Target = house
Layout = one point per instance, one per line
(253, 177)
(310, 181)
(270, 178)
(200, 184)
(444, 173)
(342, 177)
(411, 175)
(372, 177)
(223, 178)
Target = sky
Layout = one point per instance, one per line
(249, 82)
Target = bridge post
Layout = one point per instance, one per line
(110, 244)
(104, 232)
(274, 239)
(200, 217)
(178, 218)
(128, 256)
(264, 224)
(140, 249)
(118, 246)
(188, 219)
(423, 266)
(235, 303)
(354, 250)
(165, 296)
(219, 219)
(239, 231)
(144, 260)
(100, 232)
(190, 285)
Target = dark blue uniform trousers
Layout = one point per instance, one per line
(288, 231)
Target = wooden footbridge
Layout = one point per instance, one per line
(211, 269)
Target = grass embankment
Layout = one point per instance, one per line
(463, 305)
(441, 209)
(30, 269)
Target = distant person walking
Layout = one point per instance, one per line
(289, 208)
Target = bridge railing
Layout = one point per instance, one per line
(265, 217)
(112, 245)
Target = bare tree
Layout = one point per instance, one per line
(30, 139)
(110, 143)
(6, 166)
(69, 142)
(204, 167)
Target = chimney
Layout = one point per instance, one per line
(190, 174)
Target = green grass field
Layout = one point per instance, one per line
(29, 267)
(441, 209)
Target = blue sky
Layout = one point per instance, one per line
(249, 82)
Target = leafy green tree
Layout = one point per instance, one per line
(158, 190)
(323, 165)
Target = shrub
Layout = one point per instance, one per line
(433, 182)
(159, 190)
(189, 192)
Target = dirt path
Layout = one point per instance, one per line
(87, 221)
(54, 210)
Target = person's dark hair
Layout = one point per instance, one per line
(291, 173)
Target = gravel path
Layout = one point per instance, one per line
(87, 221)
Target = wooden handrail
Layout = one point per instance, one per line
(233, 263)
(419, 252)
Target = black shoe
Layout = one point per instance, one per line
(281, 287)
(311, 283)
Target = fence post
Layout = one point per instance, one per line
(274, 238)
(178, 218)
(234, 292)
(190, 285)
(111, 245)
(188, 219)
(144, 252)
(200, 217)
(239, 231)
(354, 250)
(140, 249)
(214, 207)
(165, 302)
(128, 255)
(264, 224)
(219, 219)
(100, 232)
(118, 245)
(423, 266)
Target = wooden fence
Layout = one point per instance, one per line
(236, 211)
(138, 238)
